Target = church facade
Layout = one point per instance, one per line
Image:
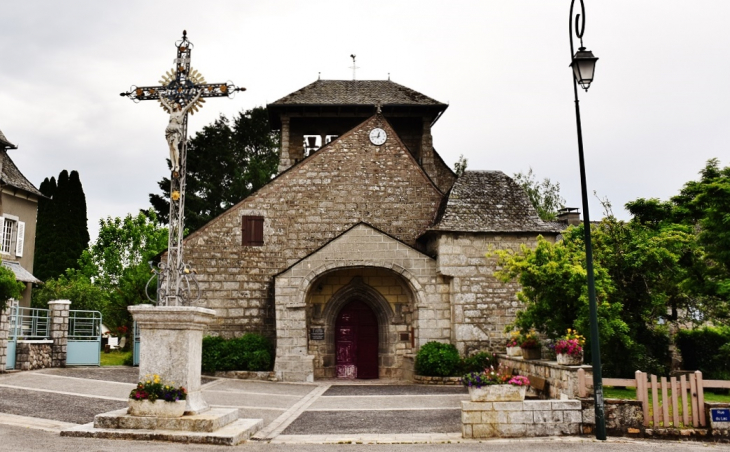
(366, 245)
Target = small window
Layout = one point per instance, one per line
(252, 231)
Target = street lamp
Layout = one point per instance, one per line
(584, 63)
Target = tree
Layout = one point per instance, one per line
(460, 165)
(118, 262)
(703, 206)
(44, 258)
(61, 230)
(224, 165)
(75, 286)
(639, 275)
(9, 287)
(544, 196)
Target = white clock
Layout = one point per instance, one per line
(378, 136)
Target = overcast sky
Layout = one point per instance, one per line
(655, 114)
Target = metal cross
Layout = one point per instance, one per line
(181, 91)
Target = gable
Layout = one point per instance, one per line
(348, 181)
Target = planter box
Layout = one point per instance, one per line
(498, 393)
(515, 352)
(158, 408)
(570, 360)
(531, 353)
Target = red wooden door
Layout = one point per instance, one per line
(356, 341)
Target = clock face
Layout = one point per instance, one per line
(377, 136)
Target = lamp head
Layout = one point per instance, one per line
(584, 66)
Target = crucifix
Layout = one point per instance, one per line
(182, 90)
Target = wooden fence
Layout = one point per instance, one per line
(669, 404)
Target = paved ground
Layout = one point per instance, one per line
(329, 411)
(35, 406)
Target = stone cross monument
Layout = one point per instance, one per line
(182, 90)
(171, 333)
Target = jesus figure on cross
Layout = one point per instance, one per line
(174, 129)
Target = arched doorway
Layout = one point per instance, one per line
(356, 341)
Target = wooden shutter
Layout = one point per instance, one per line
(2, 233)
(20, 239)
(252, 230)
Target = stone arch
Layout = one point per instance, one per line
(306, 283)
(357, 289)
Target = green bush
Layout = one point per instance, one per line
(249, 352)
(706, 349)
(435, 359)
(478, 362)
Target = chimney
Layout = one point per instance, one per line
(569, 215)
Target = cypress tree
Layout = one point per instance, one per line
(45, 232)
(62, 232)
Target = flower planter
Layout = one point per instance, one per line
(570, 360)
(531, 353)
(497, 393)
(514, 352)
(158, 408)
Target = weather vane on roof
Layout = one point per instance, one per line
(353, 67)
(182, 90)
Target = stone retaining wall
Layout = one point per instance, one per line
(244, 375)
(446, 381)
(528, 418)
(562, 380)
(32, 355)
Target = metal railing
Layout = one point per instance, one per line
(31, 324)
(84, 325)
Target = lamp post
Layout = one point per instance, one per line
(583, 64)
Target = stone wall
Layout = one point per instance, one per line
(562, 380)
(345, 183)
(32, 355)
(528, 418)
(482, 305)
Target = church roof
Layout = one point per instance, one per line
(357, 92)
(12, 176)
(4, 143)
(491, 201)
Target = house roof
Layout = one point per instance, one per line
(490, 201)
(357, 92)
(4, 143)
(12, 176)
(21, 274)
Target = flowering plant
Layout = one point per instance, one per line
(153, 389)
(515, 339)
(530, 340)
(490, 376)
(570, 344)
(122, 330)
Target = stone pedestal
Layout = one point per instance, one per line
(171, 344)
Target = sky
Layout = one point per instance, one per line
(656, 112)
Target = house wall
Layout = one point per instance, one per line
(24, 206)
(348, 182)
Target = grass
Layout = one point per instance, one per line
(629, 393)
(115, 358)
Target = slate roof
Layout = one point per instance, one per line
(491, 201)
(4, 143)
(357, 92)
(12, 176)
(21, 274)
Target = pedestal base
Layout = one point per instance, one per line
(171, 346)
(217, 426)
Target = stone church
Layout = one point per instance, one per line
(366, 245)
